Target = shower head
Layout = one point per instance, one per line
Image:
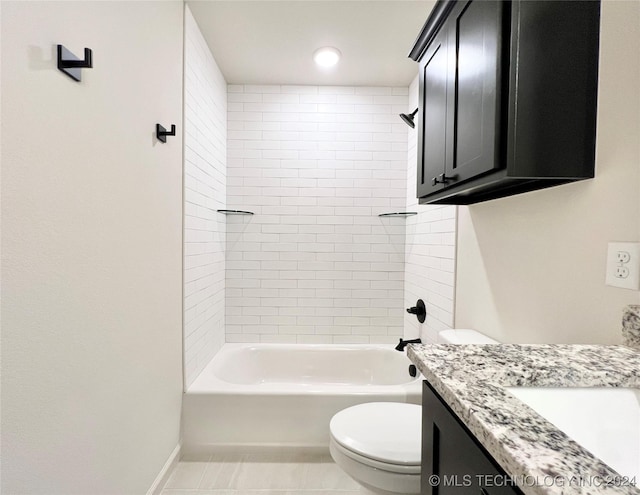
(408, 119)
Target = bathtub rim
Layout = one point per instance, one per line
(207, 383)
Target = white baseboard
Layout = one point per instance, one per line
(165, 472)
(203, 452)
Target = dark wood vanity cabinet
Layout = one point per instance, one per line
(507, 98)
(453, 462)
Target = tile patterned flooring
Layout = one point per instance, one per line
(260, 474)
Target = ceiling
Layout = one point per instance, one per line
(272, 42)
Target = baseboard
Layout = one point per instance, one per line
(204, 452)
(165, 472)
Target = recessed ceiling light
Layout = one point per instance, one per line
(326, 56)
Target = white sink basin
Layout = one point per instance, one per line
(605, 421)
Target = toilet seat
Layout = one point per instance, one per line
(382, 435)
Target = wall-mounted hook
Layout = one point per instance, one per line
(71, 65)
(162, 133)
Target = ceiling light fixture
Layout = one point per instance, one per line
(408, 119)
(326, 56)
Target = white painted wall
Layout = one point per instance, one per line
(91, 247)
(315, 264)
(430, 252)
(205, 181)
(531, 268)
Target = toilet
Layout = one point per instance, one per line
(378, 443)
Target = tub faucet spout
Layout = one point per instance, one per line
(403, 343)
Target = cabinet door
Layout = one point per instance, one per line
(452, 461)
(432, 118)
(474, 28)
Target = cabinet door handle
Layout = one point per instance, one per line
(443, 179)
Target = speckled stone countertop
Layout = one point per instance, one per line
(631, 326)
(541, 458)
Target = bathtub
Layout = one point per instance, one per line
(283, 395)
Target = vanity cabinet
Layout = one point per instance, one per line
(507, 99)
(453, 462)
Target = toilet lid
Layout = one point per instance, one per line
(385, 431)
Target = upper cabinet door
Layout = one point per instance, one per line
(432, 117)
(474, 29)
(507, 97)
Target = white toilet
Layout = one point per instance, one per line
(378, 443)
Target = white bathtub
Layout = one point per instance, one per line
(283, 395)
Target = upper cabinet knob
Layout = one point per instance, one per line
(441, 179)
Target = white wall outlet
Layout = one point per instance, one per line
(623, 257)
(621, 272)
(623, 265)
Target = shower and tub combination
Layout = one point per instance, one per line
(360, 402)
(284, 395)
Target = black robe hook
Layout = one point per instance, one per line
(162, 133)
(71, 65)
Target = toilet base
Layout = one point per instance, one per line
(386, 483)
(366, 491)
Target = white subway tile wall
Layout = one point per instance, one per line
(315, 264)
(430, 252)
(205, 182)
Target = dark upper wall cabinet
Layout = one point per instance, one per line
(507, 97)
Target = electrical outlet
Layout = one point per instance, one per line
(623, 265)
(621, 272)
(623, 257)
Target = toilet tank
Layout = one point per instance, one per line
(464, 336)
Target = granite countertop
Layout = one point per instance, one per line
(541, 458)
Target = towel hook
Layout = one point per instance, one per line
(162, 133)
(71, 65)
